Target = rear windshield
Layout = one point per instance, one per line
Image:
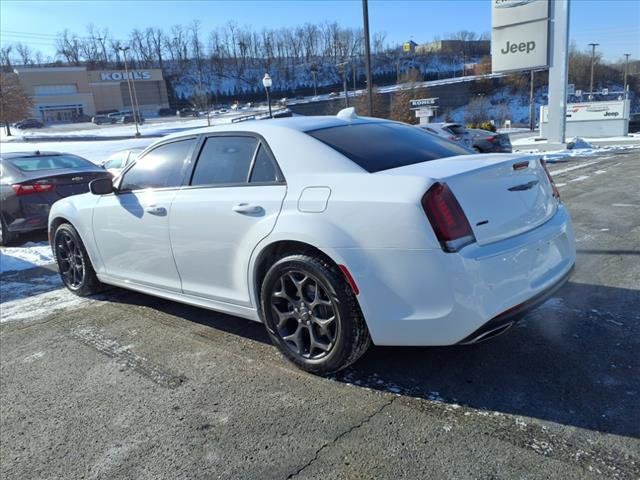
(456, 129)
(385, 145)
(48, 162)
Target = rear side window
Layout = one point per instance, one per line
(49, 162)
(385, 145)
(224, 160)
(159, 168)
(264, 167)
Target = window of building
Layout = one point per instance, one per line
(55, 89)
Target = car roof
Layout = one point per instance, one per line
(297, 123)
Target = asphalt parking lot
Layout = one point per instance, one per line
(130, 386)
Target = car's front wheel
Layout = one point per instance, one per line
(74, 264)
(311, 314)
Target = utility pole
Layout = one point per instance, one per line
(367, 54)
(593, 57)
(626, 73)
(532, 107)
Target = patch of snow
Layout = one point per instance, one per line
(578, 143)
(27, 256)
(41, 305)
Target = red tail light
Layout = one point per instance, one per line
(30, 188)
(556, 192)
(491, 139)
(449, 222)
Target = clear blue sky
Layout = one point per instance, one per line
(615, 24)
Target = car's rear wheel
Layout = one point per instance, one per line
(311, 314)
(74, 264)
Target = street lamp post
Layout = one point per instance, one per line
(367, 56)
(593, 56)
(314, 72)
(267, 82)
(126, 72)
(626, 73)
(342, 68)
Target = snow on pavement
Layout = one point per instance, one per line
(33, 307)
(29, 255)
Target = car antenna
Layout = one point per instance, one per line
(347, 114)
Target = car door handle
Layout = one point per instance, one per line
(247, 208)
(155, 210)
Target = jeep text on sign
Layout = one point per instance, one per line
(519, 47)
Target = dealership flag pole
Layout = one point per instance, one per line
(558, 71)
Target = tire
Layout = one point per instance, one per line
(74, 264)
(6, 237)
(477, 150)
(299, 296)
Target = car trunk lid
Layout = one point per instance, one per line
(501, 195)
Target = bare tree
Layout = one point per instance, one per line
(15, 104)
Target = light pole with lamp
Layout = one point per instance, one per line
(626, 74)
(126, 72)
(267, 82)
(593, 58)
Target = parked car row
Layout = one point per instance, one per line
(116, 117)
(481, 141)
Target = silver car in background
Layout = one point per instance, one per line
(119, 160)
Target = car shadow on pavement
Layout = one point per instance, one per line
(572, 361)
(575, 361)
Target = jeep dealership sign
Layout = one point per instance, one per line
(118, 76)
(577, 112)
(591, 119)
(519, 34)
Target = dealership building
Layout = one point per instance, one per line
(60, 94)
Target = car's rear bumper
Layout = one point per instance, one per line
(428, 297)
(507, 319)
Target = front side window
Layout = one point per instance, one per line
(224, 160)
(116, 160)
(159, 168)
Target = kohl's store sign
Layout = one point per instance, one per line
(117, 76)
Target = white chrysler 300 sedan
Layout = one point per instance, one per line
(334, 231)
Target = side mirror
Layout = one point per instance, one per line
(102, 186)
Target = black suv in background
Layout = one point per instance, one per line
(29, 123)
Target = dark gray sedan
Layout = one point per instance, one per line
(484, 141)
(30, 182)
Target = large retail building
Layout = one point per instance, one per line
(61, 94)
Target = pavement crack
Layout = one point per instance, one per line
(346, 432)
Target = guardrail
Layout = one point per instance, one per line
(280, 113)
